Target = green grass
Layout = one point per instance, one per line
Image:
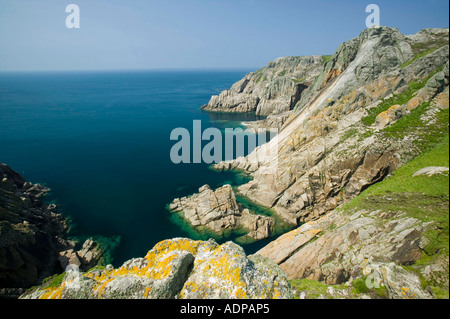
(326, 58)
(348, 134)
(54, 281)
(316, 289)
(259, 74)
(422, 197)
(258, 79)
(313, 288)
(440, 293)
(282, 73)
(418, 56)
(299, 80)
(359, 286)
(398, 99)
(402, 181)
(426, 136)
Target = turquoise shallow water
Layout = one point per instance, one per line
(101, 142)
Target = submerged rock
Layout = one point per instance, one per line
(180, 268)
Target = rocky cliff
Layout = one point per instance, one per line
(373, 114)
(178, 268)
(274, 89)
(33, 236)
(332, 148)
(334, 144)
(341, 247)
(380, 101)
(31, 232)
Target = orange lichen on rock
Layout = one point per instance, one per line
(53, 293)
(414, 103)
(389, 116)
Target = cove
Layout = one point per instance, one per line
(101, 142)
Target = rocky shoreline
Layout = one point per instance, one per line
(334, 143)
(325, 155)
(348, 122)
(219, 211)
(34, 240)
(274, 89)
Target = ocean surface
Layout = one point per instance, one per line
(101, 142)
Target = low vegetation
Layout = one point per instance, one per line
(299, 80)
(326, 58)
(422, 49)
(397, 99)
(422, 197)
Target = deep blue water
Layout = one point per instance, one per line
(101, 142)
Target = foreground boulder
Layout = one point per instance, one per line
(176, 268)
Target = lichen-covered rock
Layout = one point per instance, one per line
(226, 272)
(400, 283)
(181, 268)
(390, 116)
(341, 247)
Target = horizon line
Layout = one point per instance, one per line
(187, 69)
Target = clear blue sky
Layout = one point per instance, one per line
(174, 34)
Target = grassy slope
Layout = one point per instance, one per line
(422, 197)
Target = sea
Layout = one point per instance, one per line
(101, 142)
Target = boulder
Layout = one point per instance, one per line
(431, 170)
(87, 257)
(390, 116)
(177, 268)
(338, 246)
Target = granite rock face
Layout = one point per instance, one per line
(219, 211)
(274, 89)
(340, 247)
(85, 258)
(33, 236)
(324, 154)
(436, 90)
(31, 232)
(177, 268)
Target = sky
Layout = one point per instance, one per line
(191, 34)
